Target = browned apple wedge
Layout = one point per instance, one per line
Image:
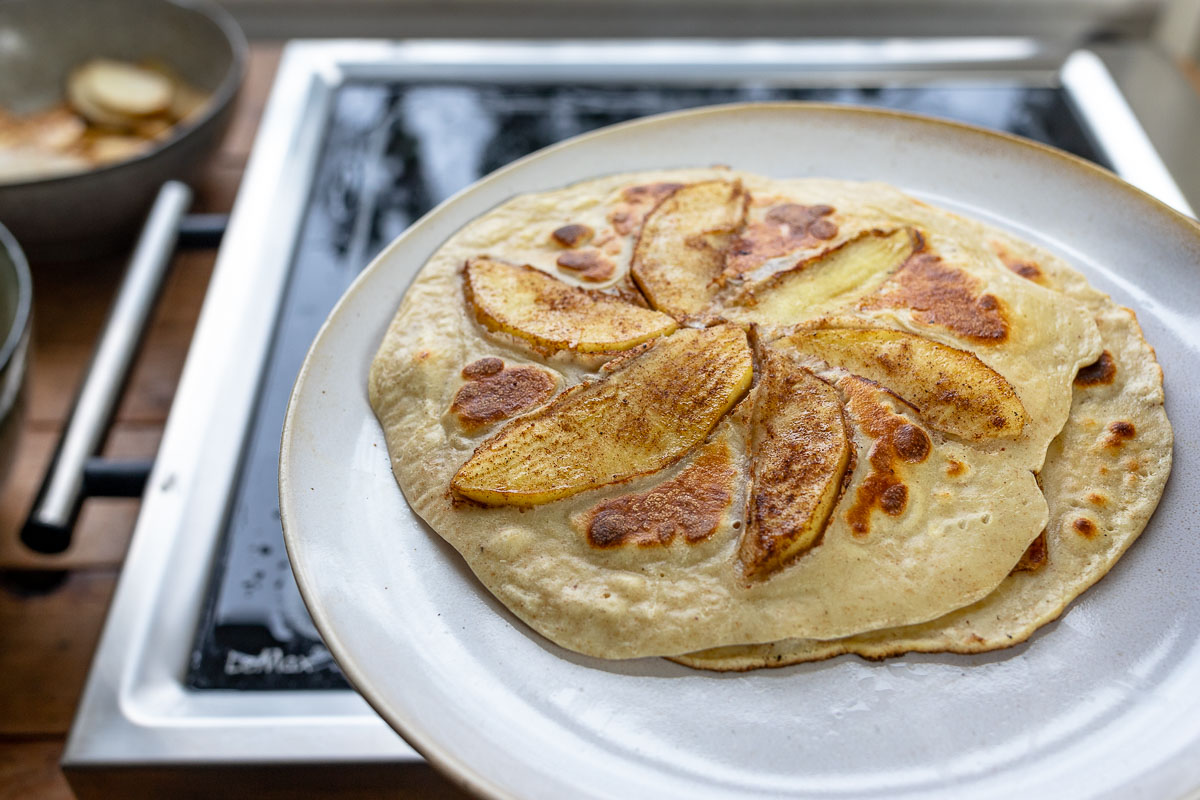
(953, 390)
(681, 249)
(552, 315)
(838, 275)
(801, 448)
(643, 416)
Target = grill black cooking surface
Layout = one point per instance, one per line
(391, 152)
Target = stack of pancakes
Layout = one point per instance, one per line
(744, 422)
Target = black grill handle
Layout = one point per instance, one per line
(105, 477)
(202, 231)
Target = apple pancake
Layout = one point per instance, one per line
(793, 409)
(1102, 479)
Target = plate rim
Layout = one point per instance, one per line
(456, 768)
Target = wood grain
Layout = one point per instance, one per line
(47, 638)
(29, 769)
(102, 532)
(46, 643)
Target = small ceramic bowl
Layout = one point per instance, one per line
(16, 316)
(41, 41)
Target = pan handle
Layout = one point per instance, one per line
(51, 520)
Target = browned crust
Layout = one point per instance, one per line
(1034, 557)
(590, 265)
(945, 297)
(638, 201)
(897, 442)
(573, 235)
(1119, 432)
(1102, 371)
(1029, 270)
(628, 290)
(490, 397)
(688, 506)
(482, 368)
(786, 228)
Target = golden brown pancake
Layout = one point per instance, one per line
(1102, 479)
(672, 496)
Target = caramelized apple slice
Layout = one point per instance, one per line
(681, 249)
(643, 416)
(838, 275)
(801, 450)
(552, 315)
(953, 390)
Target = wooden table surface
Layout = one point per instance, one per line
(47, 639)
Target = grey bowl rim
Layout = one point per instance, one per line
(24, 309)
(222, 96)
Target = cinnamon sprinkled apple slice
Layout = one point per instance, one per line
(839, 275)
(552, 315)
(953, 390)
(681, 249)
(802, 449)
(646, 414)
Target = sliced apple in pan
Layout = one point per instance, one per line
(801, 451)
(121, 88)
(952, 389)
(643, 416)
(850, 270)
(552, 315)
(80, 99)
(681, 249)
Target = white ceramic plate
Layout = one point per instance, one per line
(1103, 702)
